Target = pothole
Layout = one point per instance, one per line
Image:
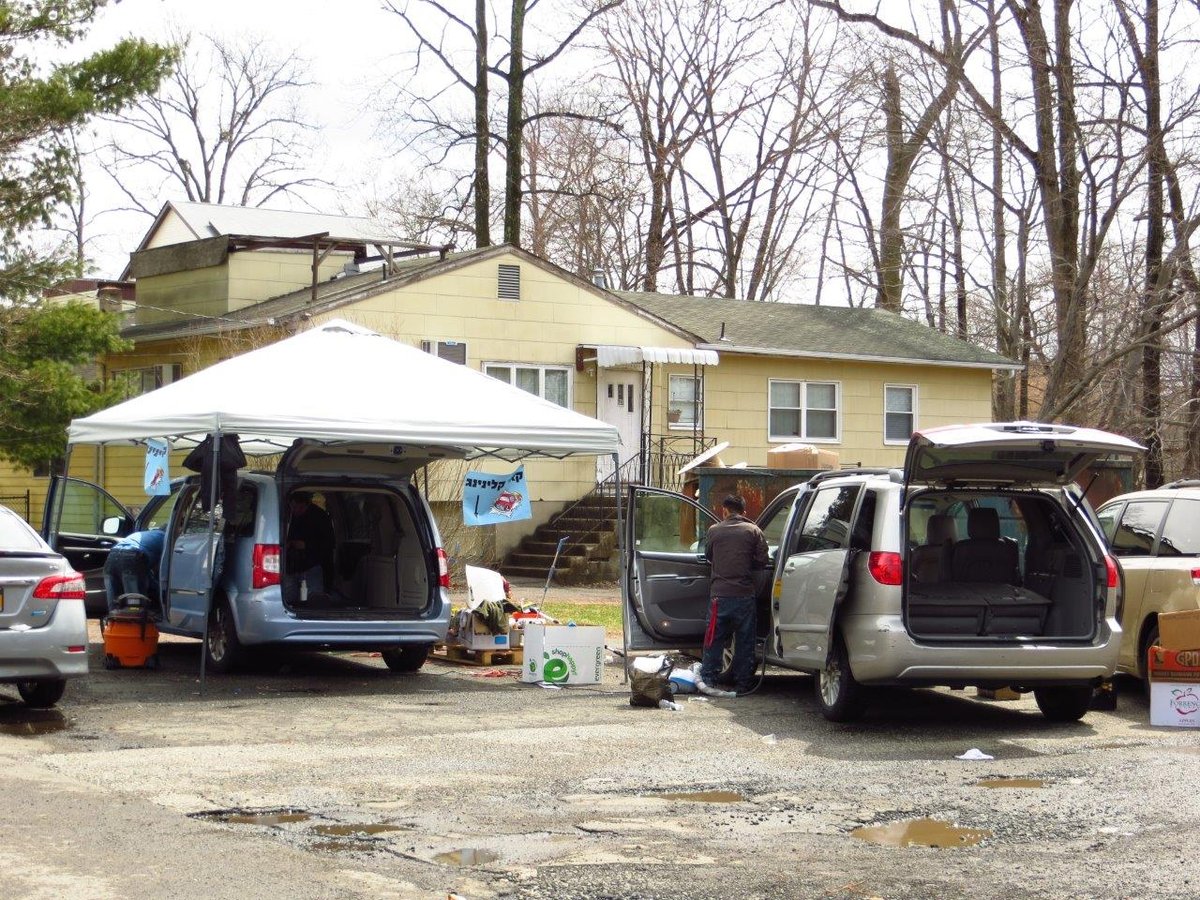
(34, 723)
(921, 833)
(1010, 783)
(703, 797)
(354, 830)
(265, 817)
(467, 856)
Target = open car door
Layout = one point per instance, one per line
(188, 581)
(667, 577)
(82, 521)
(815, 573)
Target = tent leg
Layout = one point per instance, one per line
(213, 493)
(621, 551)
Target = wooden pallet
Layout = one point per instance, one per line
(455, 653)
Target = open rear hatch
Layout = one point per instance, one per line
(992, 554)
(1008, 453)
(383, 562)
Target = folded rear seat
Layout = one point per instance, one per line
(947, 608)
(1015, 611)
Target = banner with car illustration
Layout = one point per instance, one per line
(494, 499)
(157, 482)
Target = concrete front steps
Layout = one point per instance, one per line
(590, 554)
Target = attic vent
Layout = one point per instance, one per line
(451, 351)
(508, 285)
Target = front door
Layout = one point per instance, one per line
(667, 582)
(619, 403)
(83, 521)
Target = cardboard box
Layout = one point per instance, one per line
(1179, 630)
(801, 456)
(563, 654)
(474, 635)
(1174, 687)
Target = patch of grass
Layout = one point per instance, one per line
(606, 614)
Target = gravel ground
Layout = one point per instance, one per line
(354, 782)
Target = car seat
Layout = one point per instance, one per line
(931, 562)
(984, 557)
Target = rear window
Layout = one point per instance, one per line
(16, 535)
(1181, 531)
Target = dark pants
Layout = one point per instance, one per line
(736, 617)
(125, 572)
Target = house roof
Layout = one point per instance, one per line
(212, 219)
(334, 294)
(802, 330)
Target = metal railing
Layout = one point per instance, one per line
(666, 454)
(19, 503)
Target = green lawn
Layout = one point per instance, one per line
(606, 614)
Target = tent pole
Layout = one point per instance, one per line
(621, 551)
(213, 492)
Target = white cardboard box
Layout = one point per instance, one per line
(1174, 687)
(563, 654)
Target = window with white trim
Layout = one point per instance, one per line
(899, 413)
(551, 383)
(803, 409)
(143, 380)
(683, 401)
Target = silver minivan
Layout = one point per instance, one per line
(980, 563)
(387, 590)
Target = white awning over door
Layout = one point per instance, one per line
(610, 357)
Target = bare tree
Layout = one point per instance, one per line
(224, 128)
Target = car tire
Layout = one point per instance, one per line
(222, 647)
(41, 694)
(840, 697)
(1149, 639)
(406, 659)
(1069, 703)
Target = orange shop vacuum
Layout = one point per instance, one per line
(130, 635)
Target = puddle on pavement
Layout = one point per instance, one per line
(34, 723)
(355, 830)
(1010, 783)
(254, 817)
(920, 833)
(704, 797)
(466, 857)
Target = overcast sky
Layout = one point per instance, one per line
(349, 47)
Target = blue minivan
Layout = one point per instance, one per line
(387, 590)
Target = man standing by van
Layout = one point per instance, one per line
(735, 547)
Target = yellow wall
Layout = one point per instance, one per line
(201, 292)
(736, 403)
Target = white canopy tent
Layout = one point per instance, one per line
(341, 382)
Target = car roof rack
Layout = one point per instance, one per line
(1182, 483)
(851, 470)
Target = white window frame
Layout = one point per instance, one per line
(804, 385)
(542, 368)
(697, 403)
(915, 395)
(164, 374)
(433, 346)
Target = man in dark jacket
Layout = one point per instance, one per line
(310, 543)
(735, 547)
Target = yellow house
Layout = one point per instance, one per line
(674, 374)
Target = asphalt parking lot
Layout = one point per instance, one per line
(328, 776)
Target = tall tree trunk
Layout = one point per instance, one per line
(1006, 324)
(1154, 307)
(514, 129)
(483, 190)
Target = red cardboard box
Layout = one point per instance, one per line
(1174, 687)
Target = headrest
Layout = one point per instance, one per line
(940, 529)
(983, 524)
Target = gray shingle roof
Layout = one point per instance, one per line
(794, 329)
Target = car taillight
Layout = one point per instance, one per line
(61, 587)
(443, 568)
(1114, 576)
(885, 567)
(264, 570)
(1196, 577)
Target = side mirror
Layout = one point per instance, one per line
(112, 525)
